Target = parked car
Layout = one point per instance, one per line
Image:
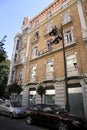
(1, 100)
(55, 116)
(12, 109)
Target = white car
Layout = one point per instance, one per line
(12, 109)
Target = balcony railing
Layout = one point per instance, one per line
(41, 53)
(33, 79)
(49, 76)
(67, 20)
(47, 31)
(72, 72)
(69, 42)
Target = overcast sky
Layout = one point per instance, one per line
(12, 13)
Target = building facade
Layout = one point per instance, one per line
(35, 60)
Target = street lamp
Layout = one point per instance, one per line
(58, 37)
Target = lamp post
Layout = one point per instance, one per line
(58, 37)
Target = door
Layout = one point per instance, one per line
(76, 101)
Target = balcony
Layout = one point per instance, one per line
(33, 79)
(72, 72)
(67, 20)
(48, 30)
(34, 39)
(69, 42)
(49, 76)
(41, 53)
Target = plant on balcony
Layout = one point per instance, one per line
(41, 91)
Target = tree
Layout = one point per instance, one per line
(14, 89)
(2, 50)
(4, 68)
(41, 91)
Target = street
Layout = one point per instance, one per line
(17, 124)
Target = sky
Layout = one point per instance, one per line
(12, 13)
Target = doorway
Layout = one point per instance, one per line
(76, 101)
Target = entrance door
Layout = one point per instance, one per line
(76, 101)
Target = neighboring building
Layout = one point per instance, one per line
(38, 61)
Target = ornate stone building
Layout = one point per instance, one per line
(37, 61)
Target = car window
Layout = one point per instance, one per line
(3, 104)
(16, 104)
(37, 107)
(47, 109)
(56, 107)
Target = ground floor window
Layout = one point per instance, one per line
(32, 100)
(32, 97)
(49, 97)
(20, 99)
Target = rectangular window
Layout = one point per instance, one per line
(35, 51)
(17, 45)
(48, 46)
(36, 35)
(72, 68)
(66, 18)
(33, 73)
(49, 27)
(49, 69)
(22, 56)
(68, 36)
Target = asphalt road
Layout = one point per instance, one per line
(17, 124)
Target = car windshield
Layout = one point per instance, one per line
(56, 107)
(16, 104)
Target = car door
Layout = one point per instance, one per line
(50, 117)
(7, 108)
(43, 114)
(2, 108)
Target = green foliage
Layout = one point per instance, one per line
(4, 67)
(4, 71)
(14, 88)
(41, 91)
(3, 54)
(2, 89)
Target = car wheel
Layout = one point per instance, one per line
(28, 120)
(11, 116)
(62, 126)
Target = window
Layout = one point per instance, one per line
(48, 46)
(17, 45)
(66, 18)
(35, 51)
(49, 27)
(72, 65)
(36, 35)
(49, 69)
(49, 66)
(68, 36)
(33, 73)
(22, 56)
(15, 57)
